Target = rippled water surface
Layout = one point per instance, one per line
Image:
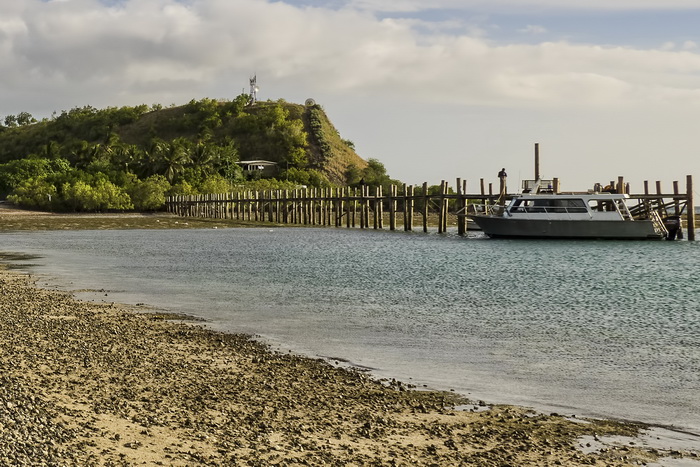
(603, 328)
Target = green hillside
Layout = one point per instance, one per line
(131, 157)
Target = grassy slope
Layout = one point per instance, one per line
(162, 123)
(168, 124)
(342, 155)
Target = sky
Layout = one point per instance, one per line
(434, 90)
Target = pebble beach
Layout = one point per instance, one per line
(106, 384)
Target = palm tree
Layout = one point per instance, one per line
(174, 156)
(205, 158)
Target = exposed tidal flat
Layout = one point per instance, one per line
(105, 384)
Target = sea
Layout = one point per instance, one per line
(588, 328)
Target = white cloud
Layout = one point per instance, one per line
(521, 5)
(163, 50)
(58, 55)
(533, 29)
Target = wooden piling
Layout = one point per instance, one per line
(392, 208)
(460, 206)
(676, 202)
(411, 205)
(426, 206)
(661, 208)
(690, 207)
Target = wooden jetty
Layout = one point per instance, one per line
(402, 207)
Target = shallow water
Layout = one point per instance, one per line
(594, 328)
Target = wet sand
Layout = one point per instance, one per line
(104, 384)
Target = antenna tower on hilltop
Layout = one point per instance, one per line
(254, 89)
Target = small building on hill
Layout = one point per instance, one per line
(265, 168)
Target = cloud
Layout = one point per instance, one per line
(533, 29)
(79, 52)
(521, 5)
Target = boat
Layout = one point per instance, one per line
(569, 215)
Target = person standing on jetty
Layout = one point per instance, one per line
(502, 175)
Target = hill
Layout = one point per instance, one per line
(274, 131)
(193, 148)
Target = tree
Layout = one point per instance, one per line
(149, 194)
(104, 195)
(25, 118)
(11, 121)
(34, 193)
(169, 159)
(18, 172)
(309, 177)
(353, 175)
(216, 184)
(270, 134)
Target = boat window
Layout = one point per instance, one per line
(550, 205)
(602, 205)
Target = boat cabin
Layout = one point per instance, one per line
(601, 206)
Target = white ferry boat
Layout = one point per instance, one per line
(557, 215)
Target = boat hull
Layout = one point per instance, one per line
(509, 227)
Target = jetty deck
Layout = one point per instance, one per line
(406, 207)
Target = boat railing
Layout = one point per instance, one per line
(658, 224)
(549, 210)
(485, 209)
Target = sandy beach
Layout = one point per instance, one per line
(106, 384)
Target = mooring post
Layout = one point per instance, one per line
(443, 206)
(676, 201)
(621, 185)
(271, 205)
(375, 207)
(445, 202)
(348, 208)
(339, 207)
(411, 205)
(690, 207)
(460, 207)
(353, 207)
(363, 208)
(368, 205)
(392, 208)
(293, 205)
(439, 217)
(425, 206)
(311, 206)
(645, 202)
(326, 202)
(330, 207)
(661, 208)
(278, 206)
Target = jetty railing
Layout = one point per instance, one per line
(402, 207)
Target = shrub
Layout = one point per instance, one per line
(149, 194)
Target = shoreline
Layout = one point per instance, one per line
(108, 383)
